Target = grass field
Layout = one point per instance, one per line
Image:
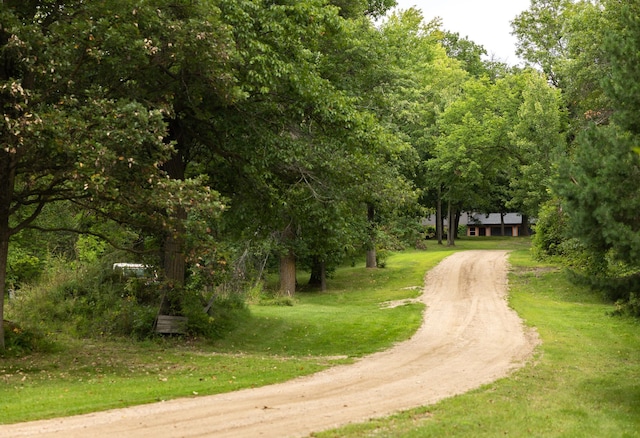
(584, 381)
(273, 344)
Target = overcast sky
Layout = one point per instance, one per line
(485, 22)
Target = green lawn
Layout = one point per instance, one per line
(273, 344)
(584, 381)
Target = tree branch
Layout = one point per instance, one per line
(91, 233)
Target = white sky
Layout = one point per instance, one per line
(485, 22)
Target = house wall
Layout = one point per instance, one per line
(485, 230)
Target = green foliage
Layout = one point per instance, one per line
(359, 8)
(94, 301)
(85, 301)
(589, 50)
(600, 189)
(430, 232)
(24, 341)
(550, 230)
(381, 257)
(565, 39)
(90, 248)
(629, 306)
(87, 98)
(466, 51)
(22, 267)
(496, 143)
(400, 233)
(542, 36)
(227, 311)
(621, 50)
(537, 141)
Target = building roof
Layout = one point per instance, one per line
(479, 219)
(494, 219)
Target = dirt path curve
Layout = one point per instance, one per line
(469, 337)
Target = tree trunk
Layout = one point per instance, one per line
(451, 221)
(371, 246)
(7, 184)
(174, 259)
(439, 221)
(176, 166)
(4, 255)
(502, 224)
(288, 265)
(323, 277)
(525, 226)
(318, 276)
(288, 274)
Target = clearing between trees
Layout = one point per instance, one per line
(469, 337)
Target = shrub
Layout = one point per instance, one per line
(85, 300)
(550, 230)
(21, 341)
(430, 232)
(381, 257)
(22, 267)
(91, 299)
(630, 306)
(224, 313)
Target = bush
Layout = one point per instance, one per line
(85, 300)
(630, 306)
(430, 232)
(22, 267)
(381, 257)
(550, 230)
(224, 314)
(91, 299)
(617, 281)
(20, 341)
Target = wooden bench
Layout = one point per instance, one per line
(168, 324)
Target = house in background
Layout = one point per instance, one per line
(495, 224)
(491, 224)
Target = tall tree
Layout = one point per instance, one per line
(62, 139)
(466, 51)
(538, 140)
(183, 66)
(423, 81)
(599, 181)
(564, 39)
(472, 137)
(542, 35)
(599, 187)
(620, 47)
(293, 139)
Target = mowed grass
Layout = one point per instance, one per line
(273, 344)
(584, 380)
(349, 320)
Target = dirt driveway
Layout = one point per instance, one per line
(469, 337)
